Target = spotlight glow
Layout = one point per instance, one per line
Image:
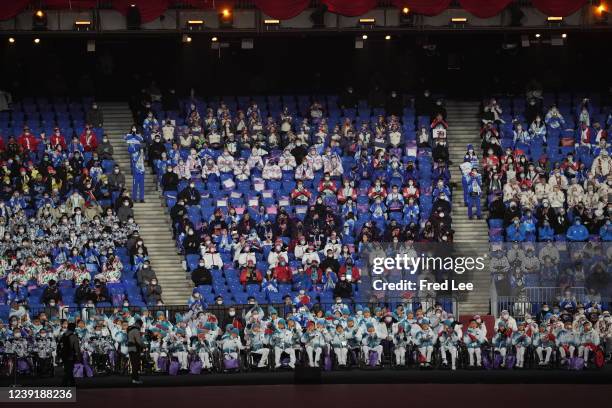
(11, 40)
(387, 37)
(365, 36)
(37, 41)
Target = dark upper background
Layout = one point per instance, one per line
(309, 64)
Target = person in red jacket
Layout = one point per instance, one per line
(348, 269)
(27, 141)
(327, 186)
(58, 139)
(250, 274)
(300, 194)
(282, 271)
(89, 140)
(347, 190)
(314, 272)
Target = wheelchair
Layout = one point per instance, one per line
(408, 359)
(365, 366)
(146, 362)
(300, 359)
(353, 358)
(101, 363)
(44, 366)
(223, 366)
(438, 360)
(252, 360)
(24, 366)
(122, 364)
(533, 361)
(597, 359)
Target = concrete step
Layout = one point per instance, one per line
(152, 216)
(464, 129)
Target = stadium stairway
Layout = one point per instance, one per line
(471, 236)
(152, 217)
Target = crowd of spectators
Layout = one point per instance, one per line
(275, 195)
(67, 231)
(545, 175)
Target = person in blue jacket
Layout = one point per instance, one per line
(577, 232)
(134, 140)
(474, 185)
(605, 232)
(528, 226)
(514, 232)
(545, 232)
(138, 175)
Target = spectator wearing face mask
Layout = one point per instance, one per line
(212, 259)
(201, 275)
(330, 262)
(105, 150)
(170, 180)
(282, 272)
(153, 292)
(125, 212)
(146, 274)
(116, 181)
(84, 293)
(51, 293)
(577, 232)
(100, 292)
(343, 288)
(233, 318)
(190, 195)
(250, 274)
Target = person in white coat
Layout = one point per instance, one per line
(212, 259)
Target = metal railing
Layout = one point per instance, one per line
(532, 299)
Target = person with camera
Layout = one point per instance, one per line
(135, 349)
